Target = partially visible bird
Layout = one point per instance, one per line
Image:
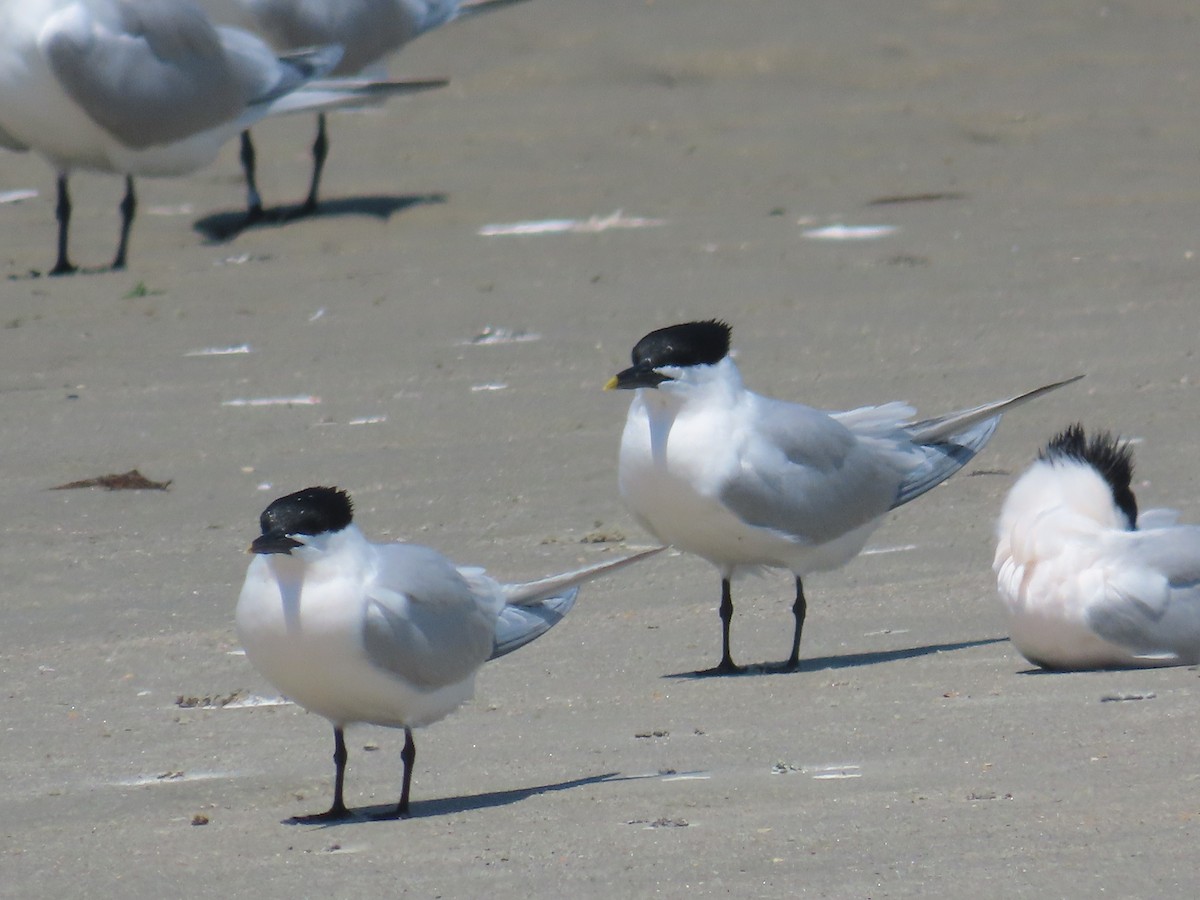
(1085, 580)
(389, 634)
(368, 30)
(142, 88)
(747, 481)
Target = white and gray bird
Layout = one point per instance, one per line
(1085, 580)
(144, 88)
(747, 481)
(389, 634)
(368, 30)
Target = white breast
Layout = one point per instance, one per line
(308, 643)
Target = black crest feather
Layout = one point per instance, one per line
(689, 344)
(1107, 454)
(314, 510)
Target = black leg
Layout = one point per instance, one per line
(320, 150)
(340, 758)
(408, 755)
(726, 666)
(128, 209)
(254, 208)
(799, 609)
(338, 810)
(62, 212)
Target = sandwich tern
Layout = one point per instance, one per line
(384, 633)
(144, 88)
(747, 481)
(1086, 581)
(368, 30)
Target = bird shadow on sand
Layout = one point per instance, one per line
(33, 274)
(445, 806)
(222, 227)
(847, 661)
(1038, 670)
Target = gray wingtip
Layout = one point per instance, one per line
(948, 427)
(1037, 392)
(470, 8)
(534, 591)
(943, 459)
(533, 609)
(314, 62)
(521, 625)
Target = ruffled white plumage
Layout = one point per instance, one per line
(1080, 589)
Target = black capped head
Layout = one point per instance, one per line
(689, 344)
(312, 511)
(1112, 460)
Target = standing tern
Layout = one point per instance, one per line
(144, 88)
(389, 634)
(747, 481)
(368, 30)
(1086, 582)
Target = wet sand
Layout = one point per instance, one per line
(1042, 162)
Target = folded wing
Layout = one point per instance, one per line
(423, 621)
(1151, 601)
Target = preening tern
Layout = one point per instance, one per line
(1086, 581)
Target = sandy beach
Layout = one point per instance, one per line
(941, 202)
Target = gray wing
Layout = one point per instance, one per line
(367, 29)
(160, 76)
(949, 442)
(261, 76)
(1151, 603)
(467, 8)
(941, 428)
(1174, 551)
(332, 93)
(941, 460)
(423, 622)
(519, 625)
(815, 477)
(806, 475)
(533, 608)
